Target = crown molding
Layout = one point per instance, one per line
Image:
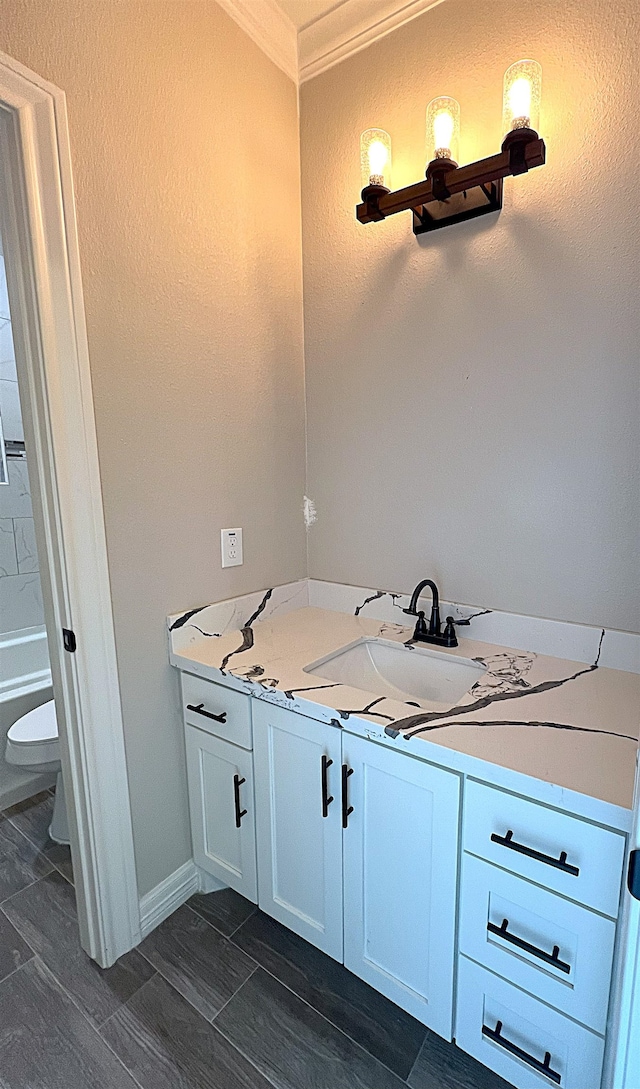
(341, 32)
(266, 23)
(347, 29)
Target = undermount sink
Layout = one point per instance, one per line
(430, 678)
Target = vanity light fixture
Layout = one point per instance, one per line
(452, 193)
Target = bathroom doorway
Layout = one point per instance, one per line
(31, 783)
(57, 619)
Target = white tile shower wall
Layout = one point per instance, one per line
(8, 555)
(4, 293)
(7, 357)
(26, 551)
(20, 602)
(20, 591)
(9, 399)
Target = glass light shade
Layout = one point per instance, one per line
(521, 96)
(443, 128)
(375, 158)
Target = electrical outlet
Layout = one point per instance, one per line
(231, 545)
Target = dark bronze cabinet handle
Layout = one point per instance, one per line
(513, 1049)
(199, 710)
(237, 783)
(558, 863)
(346, 808)
(326, 797)
(548, 958)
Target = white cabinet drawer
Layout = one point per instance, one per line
(554, 949)
(524, 1041)
(217, 710)
(566, 854)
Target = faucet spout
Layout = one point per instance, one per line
(434, 619)
(432, 634)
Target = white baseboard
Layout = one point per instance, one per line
(167, 897)
(174, 891)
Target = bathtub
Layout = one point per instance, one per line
(25, 683)
(24, 663)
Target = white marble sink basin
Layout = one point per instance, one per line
(428, 677)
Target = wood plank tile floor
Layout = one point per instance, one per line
(218, 997)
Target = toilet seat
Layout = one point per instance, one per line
(33, 739)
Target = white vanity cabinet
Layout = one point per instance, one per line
(359, 848)
(356, 839)
(220, 778)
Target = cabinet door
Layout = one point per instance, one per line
(222, 810)
(297, 765)
(400, 878)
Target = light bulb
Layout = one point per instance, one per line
(375, 158)
(378, 156)
(443, 128)
(521, 97)
(520, 101)
(442, 132)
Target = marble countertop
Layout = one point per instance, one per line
(566, 723)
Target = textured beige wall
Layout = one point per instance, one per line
(473, 396)
(185, 151)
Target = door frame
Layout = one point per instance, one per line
(38, 223)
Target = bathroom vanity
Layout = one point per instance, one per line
(460, 850)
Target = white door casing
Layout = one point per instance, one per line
(45, 291)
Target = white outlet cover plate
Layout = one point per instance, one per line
(231, 547)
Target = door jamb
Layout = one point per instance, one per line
(45, 289)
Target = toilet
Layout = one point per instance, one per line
(33, 742)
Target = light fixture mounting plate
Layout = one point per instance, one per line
(476, 201)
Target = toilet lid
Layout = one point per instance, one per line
(39, 725)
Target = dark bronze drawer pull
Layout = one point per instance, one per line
(326, 797)
(548, 958)
(237, 783)
(346, 808)
(558, 863)
(199, 710)
(513, 1049)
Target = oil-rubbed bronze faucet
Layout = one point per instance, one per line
(433, 633)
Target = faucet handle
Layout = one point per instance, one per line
(450, 638)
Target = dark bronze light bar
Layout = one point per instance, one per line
(452, 193)
(517, 157)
